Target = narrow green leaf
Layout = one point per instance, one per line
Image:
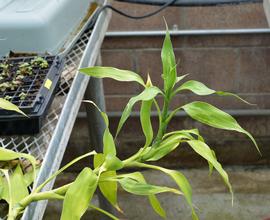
(148, 94)
(6, 174)
(211, 167)
(79, 195)
(64, 168)
(112, 163)
(180, 180)
(108, 141)
(104, 212)
(152, 198)
(145, 117)
(98, 160)
(7, 155)
(179, 78)
(168, 63)
(143, 189)
(201, 89)
(212, 116)
(202, 149)
(113, 73)
(4, 104)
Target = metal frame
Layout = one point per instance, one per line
(66, 121)
(188, 32)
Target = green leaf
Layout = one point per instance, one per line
(79, 195)
(211, 167)
(64, 168)
(143, 189)
(104, 212)
(17, 185)
(98, 160)
(145, 117)
(6, 174)
(108, 141)
(169, 143)
(179, 78)
(113, 73)
(7, 155)
(4, 104)
(148, 94)
(202, 149)
(109, 188)
(112, 163)
(212, 116)
(180, 180)
(168, 63)
(152, 198)
(201, 89)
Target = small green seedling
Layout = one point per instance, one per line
(40, 62)
(7, 97)
(108, 171)
(22, 96)
(25, 69)
(5, 69)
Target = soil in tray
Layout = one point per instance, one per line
(22, 78)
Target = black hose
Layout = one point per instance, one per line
(189, 3)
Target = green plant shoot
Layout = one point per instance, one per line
(105, 174)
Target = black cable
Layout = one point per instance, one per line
(139, 17)
(97, 13)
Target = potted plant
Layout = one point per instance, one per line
(104, 174)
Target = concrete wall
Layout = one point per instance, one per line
(237, 63)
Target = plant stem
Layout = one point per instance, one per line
(163, 126)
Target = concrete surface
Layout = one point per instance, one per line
(211, 198)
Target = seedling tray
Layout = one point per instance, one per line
(32, 93)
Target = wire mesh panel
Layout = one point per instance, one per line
(37, 144)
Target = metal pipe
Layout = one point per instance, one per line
(233, 112)
(198, 32)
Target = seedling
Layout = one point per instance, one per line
(25, 69)
(39, 62)
(22, 96)
(106, 175)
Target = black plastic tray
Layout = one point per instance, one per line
(39, 89)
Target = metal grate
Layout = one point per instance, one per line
(38, 144)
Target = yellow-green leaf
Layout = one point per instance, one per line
(201, 89)
(202, 149)
(79, 195)
(109, 188)
(17, 185)
(108, 141)
(168, 63)
(212, 116)
(138, 188)
(7, 155)
(4, 104)
(113, 73)
(145, 118)
(152, 198)
(148, 94)
(180, 180)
